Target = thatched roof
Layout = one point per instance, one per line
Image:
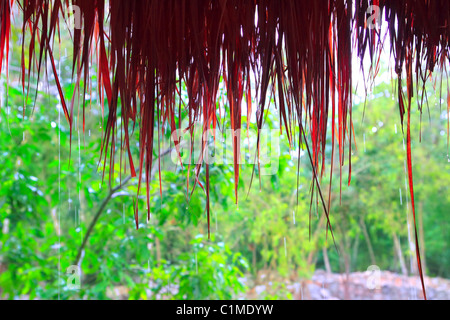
(299, 51)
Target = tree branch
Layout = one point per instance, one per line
(105, 202)
(97, 215)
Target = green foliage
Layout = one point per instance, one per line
(213, 272)
(50, 193)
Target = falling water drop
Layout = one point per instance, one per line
(79, 176)
(395, 128)
(406, 187)
(59, 201)
(364, 137)
(215, 218)
(401, 202)
(196, 262)
(293, 216)
(412, 246)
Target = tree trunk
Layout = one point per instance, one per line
(158, 251)
(326, 260)
(368, 242)
(253, 248)
(398, 250)
(346, 265)
(314, 236)
(355, 252)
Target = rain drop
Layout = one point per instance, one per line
(364, 137)
(196, 263)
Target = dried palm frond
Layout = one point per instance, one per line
(298, 51)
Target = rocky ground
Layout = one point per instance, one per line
(384, 285)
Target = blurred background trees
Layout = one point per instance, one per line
(55, 207)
